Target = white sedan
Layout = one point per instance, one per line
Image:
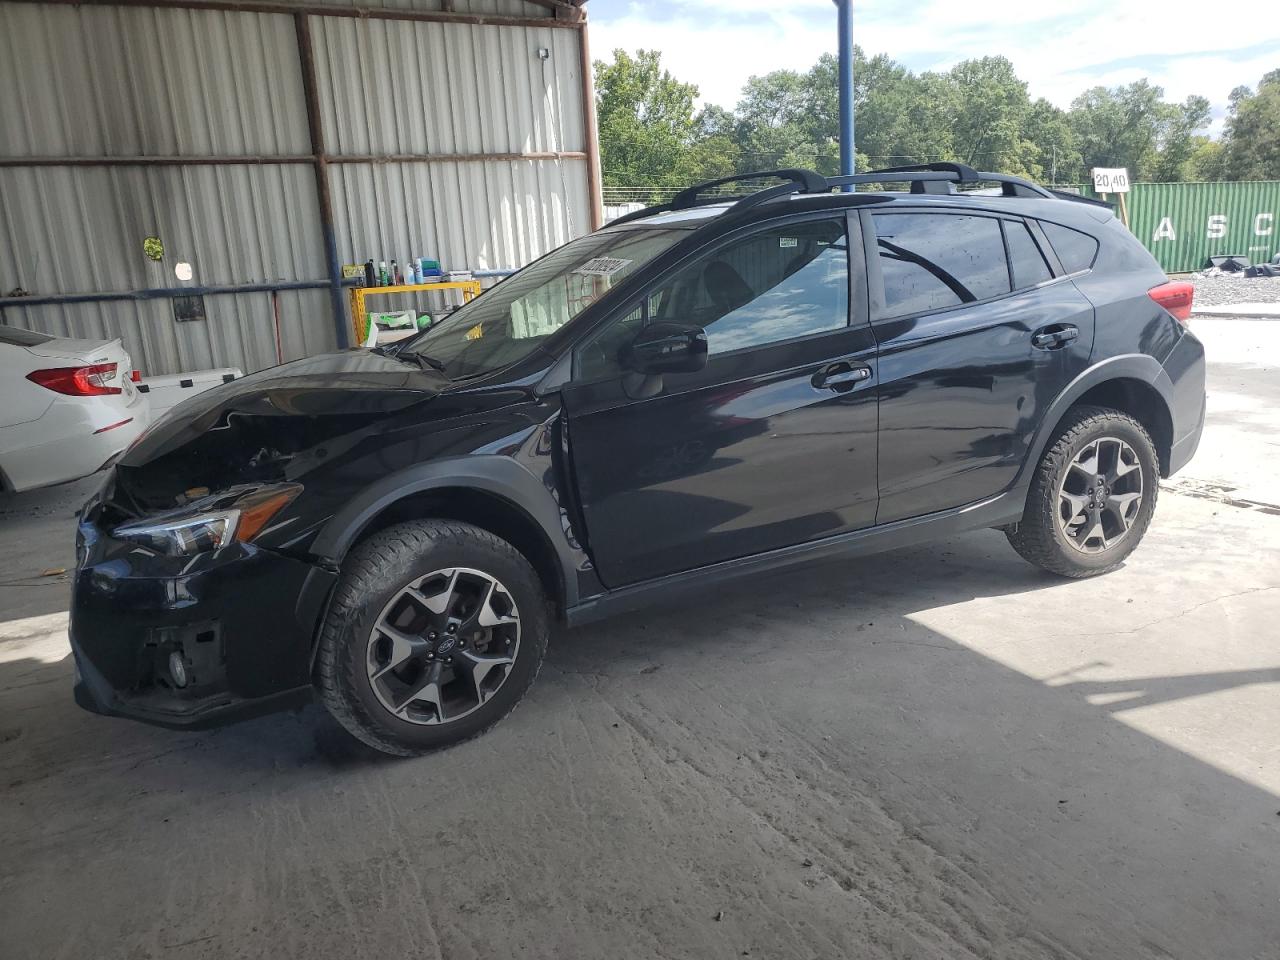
(69, 407)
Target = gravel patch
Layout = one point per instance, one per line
(1224, 289)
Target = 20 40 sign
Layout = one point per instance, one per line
(1111, 179)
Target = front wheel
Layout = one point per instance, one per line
(1092, 496)
(435, 632)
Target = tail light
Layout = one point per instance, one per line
(90, 381)
(135, 376)
(1175, 296)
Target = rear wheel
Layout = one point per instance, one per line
(1092, 496)
(435, 632)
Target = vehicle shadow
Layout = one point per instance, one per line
(809, 710)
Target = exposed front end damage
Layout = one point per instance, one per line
(185, 553)
(191, 641)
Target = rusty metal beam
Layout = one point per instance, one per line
(324, 200)
(282, 159)
(317, 10)
(562, 9)
(164, 293)
(155, 161)
(453, 157)
(590, 141)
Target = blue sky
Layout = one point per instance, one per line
(1184, 47)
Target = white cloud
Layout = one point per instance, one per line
(718, 44)
(717, 55)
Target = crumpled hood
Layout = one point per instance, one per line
(270, 425)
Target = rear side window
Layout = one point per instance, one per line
(1025, 259)
(1076, 250)
(931, 261)
(22, 338)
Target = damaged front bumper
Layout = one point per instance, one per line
(194, 641)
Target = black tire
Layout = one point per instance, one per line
(373, 575)
(1039, 537)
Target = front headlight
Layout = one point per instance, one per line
(240, 513)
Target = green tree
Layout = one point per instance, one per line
(1116, 127)
(714, 121)
(1206, 161)
(989, 109)
(1132, 126)
(1054, 151)
(1178, 140)
(791, 118)
(1251, 140)
(646, 124)
(978, 112)
(779, 124)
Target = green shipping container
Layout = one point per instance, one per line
(1183, 224)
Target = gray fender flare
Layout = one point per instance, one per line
(496, 475)
(1129, 366)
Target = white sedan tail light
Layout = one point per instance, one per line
(88, 381)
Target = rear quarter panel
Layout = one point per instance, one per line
(1127, 320)
(24, 401)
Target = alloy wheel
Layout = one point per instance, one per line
(1101, 495)
(443, 645)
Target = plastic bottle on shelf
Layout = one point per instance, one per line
(384, 279)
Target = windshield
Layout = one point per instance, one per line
(508, 322)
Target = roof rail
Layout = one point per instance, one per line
(923, 177)
(1081, 198)
(809, 181)
(798, 181)
(963, 171)
(922, 174)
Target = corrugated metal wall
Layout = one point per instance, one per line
(136, 82)
(484, 214)
(126, 81)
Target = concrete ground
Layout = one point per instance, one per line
(936, 753)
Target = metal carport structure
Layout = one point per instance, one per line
(267, 143)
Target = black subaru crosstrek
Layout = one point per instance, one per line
(703, 390)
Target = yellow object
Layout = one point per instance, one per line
(360, 314)
(476, 332)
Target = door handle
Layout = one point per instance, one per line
(1056, 336)
(841, 376)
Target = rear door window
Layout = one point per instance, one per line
(1025, 259)
(932, 261)
(1076, 250)
(22, 338)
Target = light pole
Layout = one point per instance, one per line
(845, 82)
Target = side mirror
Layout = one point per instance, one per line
(667, 348)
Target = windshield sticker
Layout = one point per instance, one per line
(784, 242)
(602, 266)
